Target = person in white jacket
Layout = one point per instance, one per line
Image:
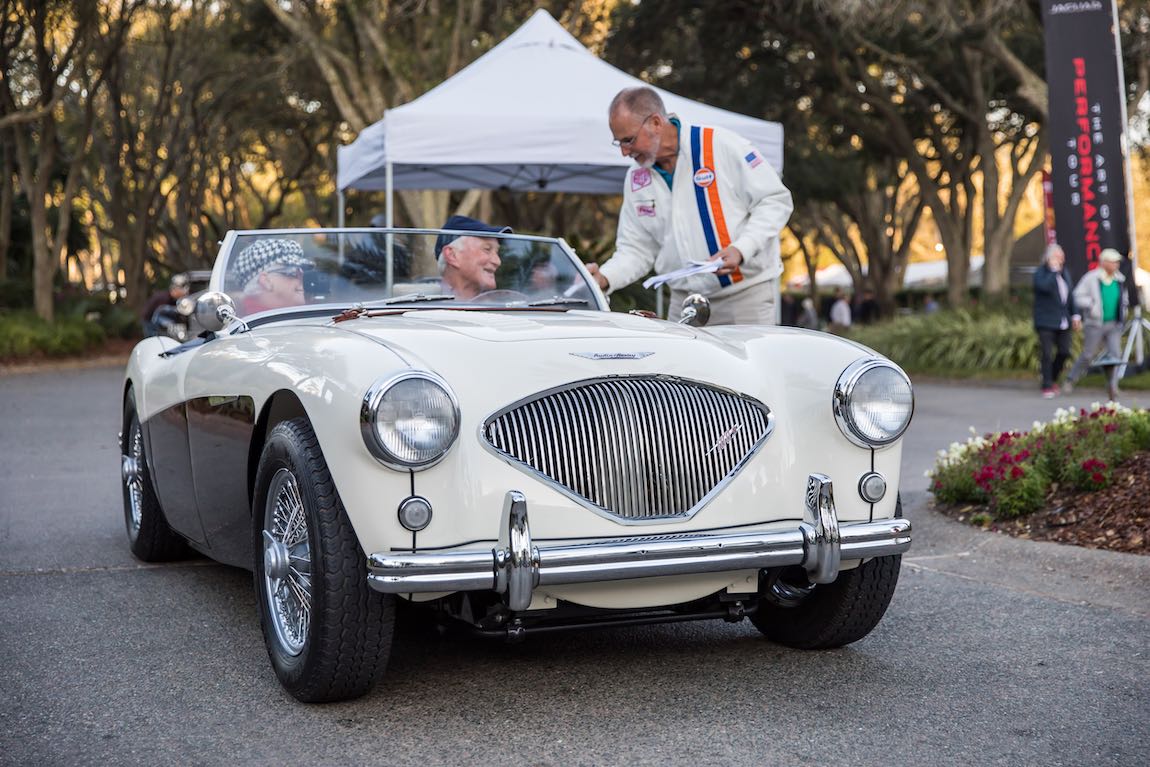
(1101, 298)
(698, 194)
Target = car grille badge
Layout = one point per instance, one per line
(612, 355)
(725, 438)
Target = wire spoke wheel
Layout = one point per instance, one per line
(131, 464)
(149, 536)
(287, 562)
(327, 632)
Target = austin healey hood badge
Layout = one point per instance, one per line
(612, 355)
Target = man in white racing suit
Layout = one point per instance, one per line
(699, 193)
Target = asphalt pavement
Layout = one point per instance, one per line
(994, 651)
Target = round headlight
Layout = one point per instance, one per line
(409, 421)
(873, 402)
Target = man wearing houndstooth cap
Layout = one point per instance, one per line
(270, 273)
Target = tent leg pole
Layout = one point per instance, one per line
(389, 209)
(341, 201)
(389, 219)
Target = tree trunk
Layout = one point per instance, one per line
(43, 266)
(7, 193)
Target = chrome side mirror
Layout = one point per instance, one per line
(696, 310)
(215, 310)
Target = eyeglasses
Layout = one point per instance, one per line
(627, 142)
(291, 272)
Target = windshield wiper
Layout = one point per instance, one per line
(558, 301)
(412, 298)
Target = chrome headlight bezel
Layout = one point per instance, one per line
(844, 392)
(368, 420)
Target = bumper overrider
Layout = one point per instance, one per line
(517, 566)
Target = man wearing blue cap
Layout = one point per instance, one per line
(468, 262)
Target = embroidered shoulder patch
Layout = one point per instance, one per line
(640, 178)
(754, 159)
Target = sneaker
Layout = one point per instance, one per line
(1067, 387)
(1049, 393)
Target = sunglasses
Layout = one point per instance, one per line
(627, 142)
(292, 272)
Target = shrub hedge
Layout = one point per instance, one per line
(957, 340)
(24, 335)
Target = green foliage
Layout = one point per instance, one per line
(1013, 472)
(16, 293)
(116, 319)
(992, 339)
(25, 335)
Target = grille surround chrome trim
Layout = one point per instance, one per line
(584, 451)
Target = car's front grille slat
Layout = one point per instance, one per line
(642, 447)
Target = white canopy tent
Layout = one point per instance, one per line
(530, 114)
(921, 275)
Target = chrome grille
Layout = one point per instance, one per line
(644, 447)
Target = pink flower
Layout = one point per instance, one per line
(1016, 472)
(1097, 477)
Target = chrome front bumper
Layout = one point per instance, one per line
(516, 566)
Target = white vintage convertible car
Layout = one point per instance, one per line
(358, 428)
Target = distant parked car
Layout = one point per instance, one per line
(520, 460)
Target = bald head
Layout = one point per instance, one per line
(637, 101)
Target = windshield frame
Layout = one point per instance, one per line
(598, 299)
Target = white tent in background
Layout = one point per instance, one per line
(530, 114)
(922, 275)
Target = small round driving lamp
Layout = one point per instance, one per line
(873, 402)
(415, 513)
(409, 421)
(872, 487)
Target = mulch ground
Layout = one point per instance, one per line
(1116, 518)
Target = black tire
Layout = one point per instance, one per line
(149, 536)
(797, 614)
(339, 649)
(828, 615)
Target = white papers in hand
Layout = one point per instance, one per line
(698, 268)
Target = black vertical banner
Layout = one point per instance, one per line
(1087, 123)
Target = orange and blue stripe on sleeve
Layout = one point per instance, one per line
(707, 197)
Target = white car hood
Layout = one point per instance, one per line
(542, 325)
(469, 349)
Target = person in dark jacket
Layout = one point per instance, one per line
(1054, 316)
(162, 303)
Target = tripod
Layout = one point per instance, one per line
(1135, 342)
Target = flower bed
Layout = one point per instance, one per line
(1012, 473)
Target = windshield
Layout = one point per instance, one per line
(277, 270)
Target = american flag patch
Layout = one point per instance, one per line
(754, 159)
